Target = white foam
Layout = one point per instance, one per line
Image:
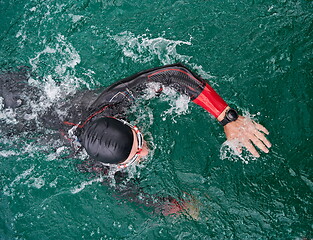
(70, 56)
(50, 89)
(75, 18)
(55, 155)
(204, 74)
(34, 61)
(54, 183)
(178, 103)
(51, 157)
(1, 103)
(229, 151)
(150, 91)
(8, 115)
(63, 57)
(9, 153)
(38, 182)
(82, 186)
(8, 190)
(178, 106)
(24, 174)
(144, 48)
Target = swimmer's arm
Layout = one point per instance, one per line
(248, 133)
(176, 76)
(244, 130)
(200, 92)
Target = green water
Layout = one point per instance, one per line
(257, 54)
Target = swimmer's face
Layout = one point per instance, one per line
(144, 152)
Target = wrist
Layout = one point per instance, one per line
(222, 114)
(228, 115)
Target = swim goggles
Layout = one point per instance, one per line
(135, 157)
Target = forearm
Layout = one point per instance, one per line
(212, 102)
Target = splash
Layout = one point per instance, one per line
(178, 104)
(53, 71)
(7, 153)
(143, 48)
(36, 182)
(57, 154)
(61, 58)
(8, 115)
(75, 18)
(9, 190)
(82, 185)
(229, 151)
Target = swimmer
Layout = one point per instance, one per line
(98, 122)
(112, 141)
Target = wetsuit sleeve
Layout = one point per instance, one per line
(175, 76)
(186, 82)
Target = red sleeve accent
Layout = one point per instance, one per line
(211, 101)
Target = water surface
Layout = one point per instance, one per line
(256, 54)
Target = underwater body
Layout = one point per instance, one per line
(256, 55)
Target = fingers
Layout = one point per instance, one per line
(249, 146)
(256, 139)
(261, 136)
(261, 128)
(257, 142)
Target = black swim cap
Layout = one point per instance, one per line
(107, 140)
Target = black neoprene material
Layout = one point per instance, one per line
(125, 91)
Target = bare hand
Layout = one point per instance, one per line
(248, 133)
